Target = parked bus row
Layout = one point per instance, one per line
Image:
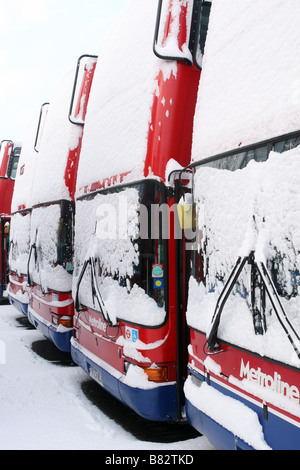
(167, 273)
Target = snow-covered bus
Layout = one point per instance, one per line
(18, 290)
(50, 258)
(9, 157)
(129, 265)
(243, 389)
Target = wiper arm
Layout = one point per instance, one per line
(98, 295)
(77, 304)
(282, 317)
(95, 290)
(33, 247)
(212, 335)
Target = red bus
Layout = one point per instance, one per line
(129, 277)
(18, 289)
(50, 260)
(243, 388)
(9, 157)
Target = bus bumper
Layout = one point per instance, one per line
(158, 403)
(60, 336)
(22, 307)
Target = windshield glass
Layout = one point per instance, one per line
(251, 210)
(52, 239)
(120, 229)
(19, 242)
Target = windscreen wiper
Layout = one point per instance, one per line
(77, 304)
(271, 291)
(98, 295)
(33, 247)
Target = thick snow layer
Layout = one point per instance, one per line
(44, 234)
(20, 242)
(43, 407)
(107, 229)
(119, 110)
(59, 135)
(25, 174)
(250, 87)
(227, 204)
(230, 413)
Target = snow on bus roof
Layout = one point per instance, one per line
(250, 87)
(59, 136)
(26, 167)
(119, 110)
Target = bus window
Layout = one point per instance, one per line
(13, 164)
(285, 145)
(65, 236)
(202, 29)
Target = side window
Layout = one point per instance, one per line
(13, 164)
(288, 144)
(65, 236)
(202, 9)
(204, 21)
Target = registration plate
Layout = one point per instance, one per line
(96, 375)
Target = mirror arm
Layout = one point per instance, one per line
(39, 126)
(78, 123)
(155, 41)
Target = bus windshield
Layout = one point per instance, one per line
(247, 249)
(19, 242)
(52, 239)
(120, 230)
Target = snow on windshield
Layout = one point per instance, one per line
(45, 270)
(254, 209)
(107, 229)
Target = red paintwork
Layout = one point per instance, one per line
(171, 126)
(102, 340)
(6, 184)
(15, 283)
(45, 304)
(81, 108)
(231, 362)
(5, 159)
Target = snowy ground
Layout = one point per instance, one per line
(43, 406)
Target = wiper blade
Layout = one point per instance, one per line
(33, 247)
(77, 304)
(98, 295)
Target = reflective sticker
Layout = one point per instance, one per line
(158, 283)
(157, 270)
(131, 334)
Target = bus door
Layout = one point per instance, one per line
(180, 243)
